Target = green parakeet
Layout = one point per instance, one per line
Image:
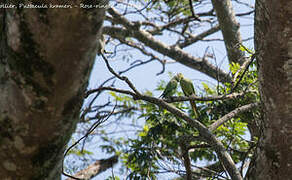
(188, 90)
(170, 87)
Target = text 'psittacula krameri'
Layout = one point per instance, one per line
(188, 90)
(170, 87)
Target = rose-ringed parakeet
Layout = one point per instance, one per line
(188, 90)
(170, 87)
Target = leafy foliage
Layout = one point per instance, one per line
(159, 136)
(158, 142)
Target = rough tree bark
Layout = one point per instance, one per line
(273, 42)
(46, 56)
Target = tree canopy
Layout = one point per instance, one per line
(178, 89)
(162, 136)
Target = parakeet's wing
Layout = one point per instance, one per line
(187, 87)
(170, 88)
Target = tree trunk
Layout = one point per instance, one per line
(273, 42)
(45, 60)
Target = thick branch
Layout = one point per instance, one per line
(96, 168)
(173, 52)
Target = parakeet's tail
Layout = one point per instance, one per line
(194, 107)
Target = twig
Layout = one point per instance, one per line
(175, 53)
(192, 10)
(198, 37)
(123, 78)
(197, 146)
(91, 129)
(110, 89)
(145, 52)
(242, 75)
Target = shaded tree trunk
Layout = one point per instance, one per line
(46, 57)
(273, 42)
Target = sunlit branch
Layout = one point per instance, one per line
(158, 29)
(208, 98)
(230, 29)
(172, 52)
(96, 168)
(192, 39)
(232, 114)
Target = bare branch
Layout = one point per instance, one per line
(232, 114)
(91, 129)
(244, 66)
(96, 168)
(173, 52)
(103, 114)
(158, 29)
(245, 14)
(192, 10)
(145, 52)
(123, 78)
(198, 37)
(109, 89)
